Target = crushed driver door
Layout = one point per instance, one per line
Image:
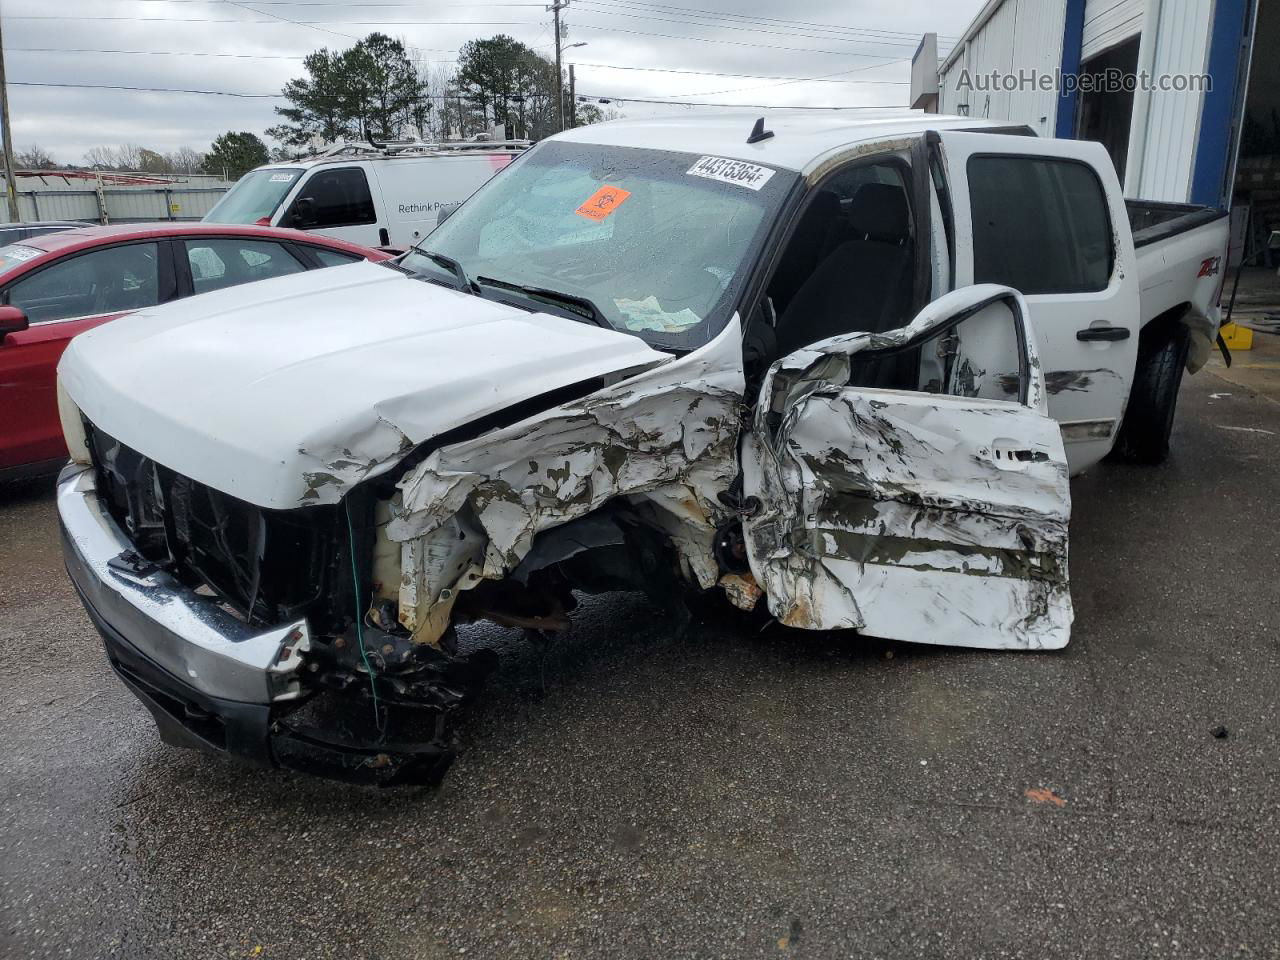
(933, 510)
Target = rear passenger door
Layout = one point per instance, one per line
(1047, 218)
(218, 262)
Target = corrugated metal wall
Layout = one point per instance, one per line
(1028, 34)
(1038, 42)
(124, 204)
(1108, 23)
(64, 198)
(1173, 119)
(1020, 35)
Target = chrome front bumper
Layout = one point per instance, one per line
(164, 624)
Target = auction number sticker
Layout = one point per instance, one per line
(602, 203)
(281, 177)
(743, 174)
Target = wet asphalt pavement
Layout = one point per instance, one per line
(720, 793)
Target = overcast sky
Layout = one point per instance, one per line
(187, 44)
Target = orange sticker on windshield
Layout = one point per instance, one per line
(602, 203)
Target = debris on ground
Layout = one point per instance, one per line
(1043, 795)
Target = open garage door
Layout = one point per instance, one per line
(1109, 23)
(1256, 193)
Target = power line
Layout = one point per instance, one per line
(341, 3)
(589, 5)
(723, 14)
(627, 4)
(794, 80)
(113, 86)
(303, 23)
(207, 93)
(744, 76)
(280, 96)
(273, 16)
(195, 53)
(737, 43)
(825, 78)
(731, 106)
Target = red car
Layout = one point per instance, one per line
(55, 286)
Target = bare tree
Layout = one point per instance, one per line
(130, 156)
(124, 156)
(186, 160)
(35, 157)
(100, 158)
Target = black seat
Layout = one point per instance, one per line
(865, 283)
(816, 235)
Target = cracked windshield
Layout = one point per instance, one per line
(648, 242)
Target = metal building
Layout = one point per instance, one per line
(1167, 143)
(110, 197)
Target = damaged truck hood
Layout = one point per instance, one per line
(286, 392)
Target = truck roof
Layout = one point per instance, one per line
(802, 138)
(352, 152)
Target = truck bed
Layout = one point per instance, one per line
(1182, 253)
(1152, 220)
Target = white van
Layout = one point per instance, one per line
(379, 196)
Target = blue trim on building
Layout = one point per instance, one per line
(1072, 44)
(1208, 180)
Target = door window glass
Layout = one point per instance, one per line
(218, 262)
(1039, 225)
(332, 258)
(339, 198)
(102, 281)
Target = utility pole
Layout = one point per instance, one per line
(11, 185)
(555, 9)
(573, 101)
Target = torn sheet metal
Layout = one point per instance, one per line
(910, 516)
(742, 590)
(666, 439)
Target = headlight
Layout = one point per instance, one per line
(72, 427)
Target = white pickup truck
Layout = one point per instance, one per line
(837, 370)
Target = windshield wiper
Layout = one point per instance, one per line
(579, 306)
(453, 266)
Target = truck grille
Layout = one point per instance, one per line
(267, 566)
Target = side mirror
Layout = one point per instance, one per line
(303, 214)
(12, 320)
(446, 212)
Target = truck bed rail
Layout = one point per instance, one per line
(1152, 220)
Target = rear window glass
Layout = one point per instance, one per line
(1039, 225)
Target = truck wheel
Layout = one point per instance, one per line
(1148, 420)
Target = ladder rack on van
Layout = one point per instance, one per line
(403, 148)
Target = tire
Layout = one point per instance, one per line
(1148, 420)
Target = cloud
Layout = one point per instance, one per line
(618, 33)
